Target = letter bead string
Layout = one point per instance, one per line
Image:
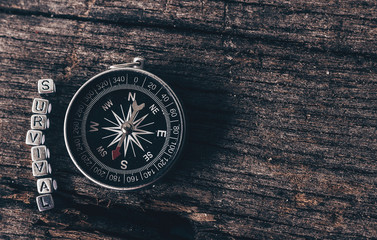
(40, 154)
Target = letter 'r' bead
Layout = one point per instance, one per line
(39, 122)
(45, 202)
(46, 87)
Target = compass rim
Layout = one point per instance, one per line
(182, 138)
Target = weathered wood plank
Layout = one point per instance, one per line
(345, 27)
(282, 137)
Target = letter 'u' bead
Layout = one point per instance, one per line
(41, 106)
(35, 137)
(46, 87)
(45, 202)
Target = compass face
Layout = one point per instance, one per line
(124, 128)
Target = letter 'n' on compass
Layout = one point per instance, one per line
(125, 127)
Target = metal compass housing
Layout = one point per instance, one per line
(124, 128)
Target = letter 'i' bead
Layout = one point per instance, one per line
(46, 87)
(41, 106)
(45, 202)
(40, 153)
(35, 137)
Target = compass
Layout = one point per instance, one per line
(124, 128)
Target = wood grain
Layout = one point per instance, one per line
(281, 100)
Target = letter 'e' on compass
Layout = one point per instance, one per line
(125, 127)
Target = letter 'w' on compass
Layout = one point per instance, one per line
(125, 127)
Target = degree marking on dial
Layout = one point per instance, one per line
(174, 121)
(144, 81)
(169, 104)
(93, 166)
(110, 83)
(82, 152)
(156, 167)
(158, 91)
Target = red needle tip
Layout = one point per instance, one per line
(115, 153)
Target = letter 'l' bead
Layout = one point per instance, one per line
(39, 122)
(46, 185)
(45, 202)
(46, 87)
(41, 106)
(35, 137)
(40, 153)
(41, 168)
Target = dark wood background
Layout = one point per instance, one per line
(281, 98)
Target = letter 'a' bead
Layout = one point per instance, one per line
(46, 87)
(46, 185)
(34, 137)
(45, 202)
(41, 106)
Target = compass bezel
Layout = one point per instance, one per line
(172, 159)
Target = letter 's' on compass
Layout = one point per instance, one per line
(124, 128)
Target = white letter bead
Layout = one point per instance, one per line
(45, 202)
(35, 137)
(46, 185)
(41, 106)
(40, 153)
(39, 122)
(41, 168)
(46, 86)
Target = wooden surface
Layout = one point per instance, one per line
(281, 99)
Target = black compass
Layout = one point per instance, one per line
(124, 128)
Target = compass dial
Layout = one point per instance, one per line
(124, 128)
